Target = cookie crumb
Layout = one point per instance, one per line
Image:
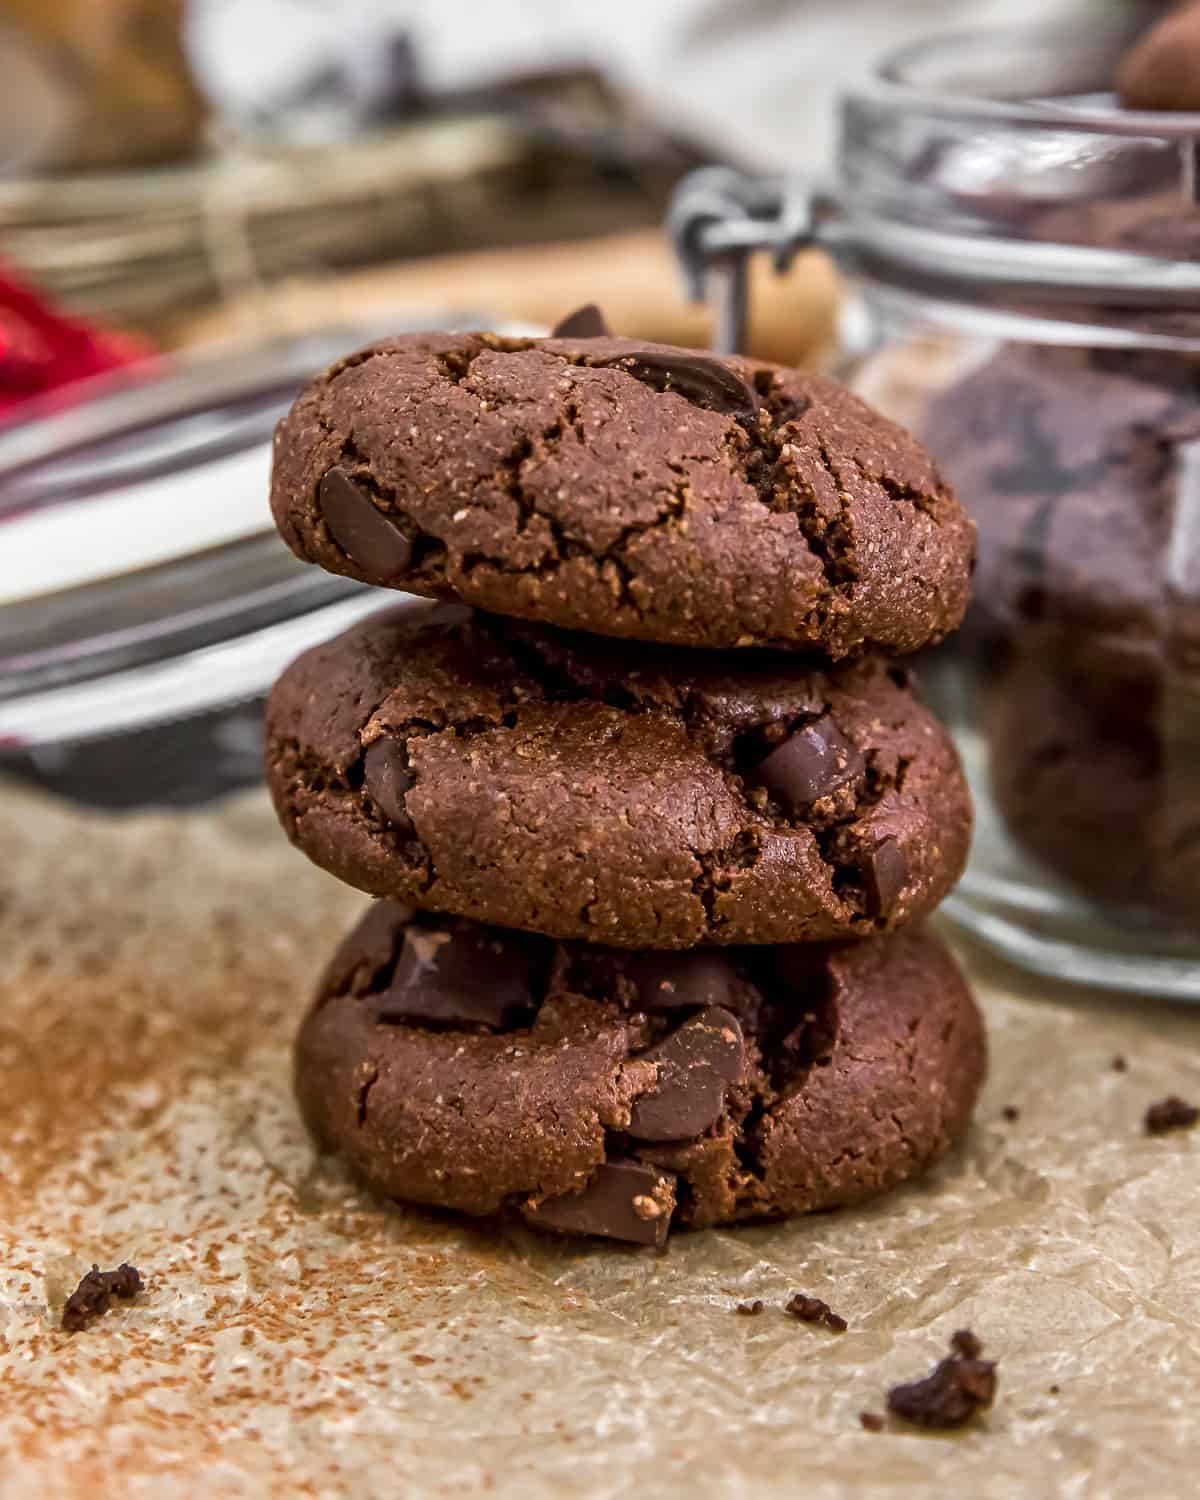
(871, 1421)
(1011, 1112)
(1119, 1065)
(958, 1387)
(813, 1310)
(750, 1309)
(93, 1296)
(1171, 1113)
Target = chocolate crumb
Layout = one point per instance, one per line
(1171, 1113)
(1054, 1390)
(1119, 1065)
(93, 1296)
(871, 1421)
(813, 1310)
(1011, 1112)
(750, 1309)
(958, 1387)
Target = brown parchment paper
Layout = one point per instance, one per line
(297, 1338)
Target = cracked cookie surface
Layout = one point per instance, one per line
(625, 1094)
(637, 796)
(624, 489)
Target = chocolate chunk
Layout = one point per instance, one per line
(871, 1421)
(813, 1310)
(387, 778)
(368, 949)
(750, 1309)
(472, 978)
(695, 1063)
(673, 981)
(369, 539)
(1171, 1113)
(885, 870)
(813, 762)
(702, 381)
(93, 1296)
(958, 1387)
(624, 1200)
(586, 322)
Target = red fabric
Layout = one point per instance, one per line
(43, 353)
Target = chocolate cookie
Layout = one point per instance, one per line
(626, 489)
(627, 1094)
(1090, 778)
(566, 785)
(1069, 460)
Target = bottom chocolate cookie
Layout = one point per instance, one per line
(605, 1092)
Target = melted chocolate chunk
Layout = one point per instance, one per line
(369, 948)
(387, 778)
(674, 981)
(816, 760)
(813, 1310)
(1171, 1113)
(958, 1387)
(702, 381)
(695, 1063)
(885, 869)
(624, 1200)
(93, 1296)
(750, 1309)
(471, 978)
(586, 322)
(368, 538)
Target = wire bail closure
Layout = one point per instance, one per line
(718, 217)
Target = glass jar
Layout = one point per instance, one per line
(146, 603)
(1023, 258)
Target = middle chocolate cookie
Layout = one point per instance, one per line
(628, 795)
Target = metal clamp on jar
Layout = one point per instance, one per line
(1025, 294)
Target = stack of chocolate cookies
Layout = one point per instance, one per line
(646, 795)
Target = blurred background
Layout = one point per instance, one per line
(203, 201)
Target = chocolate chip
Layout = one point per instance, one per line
(93, 1296)
(369, 949)
(958, 1387)
(624, 1200)
(1119, 1065)
(1171, 1113)
(750, 1309)
(469, 978)
(387, 778)
(674, 981)
(885, 871)
(810, 764)
(368, 538)
(813, 1310)
(586, 322)
(871, 1421)
(1011, 1113)
(702, 381)
(695, 1063)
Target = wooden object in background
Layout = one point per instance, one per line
(124, 94)
(631, 275)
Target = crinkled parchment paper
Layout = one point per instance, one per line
(298, 1338)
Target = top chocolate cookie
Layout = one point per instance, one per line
(626, 489)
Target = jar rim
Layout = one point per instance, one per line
(1055, 209)
(1076, 69)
